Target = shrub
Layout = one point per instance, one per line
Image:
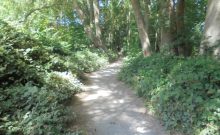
(112, 56)
(32, 110)
(88, 61)
(31, 92)
(184, 92)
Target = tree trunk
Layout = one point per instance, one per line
(165, 39)
(141, 28)
(87, 27)
(173, 27)
(211, 37)
(183, 48)
(165, 32)
(180, 26)
(91, 13)
(98, 33)
(146, 13)
(87, 21)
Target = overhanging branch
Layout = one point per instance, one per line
(36, 9)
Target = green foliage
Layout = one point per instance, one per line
(88, 61)
(36, 80)
(111, 55)
(184, 92)
(21, 57)
(36, 66)
(32, 110)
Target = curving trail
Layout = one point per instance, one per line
(109, 107)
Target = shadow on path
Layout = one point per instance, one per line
(109, 107)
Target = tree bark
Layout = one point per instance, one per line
(211, 36)
(145, 42)
(165, 20)
(183, 48)
(87, 27)
(173, 27)
(98, 33)
(87, 21)
(91, 13)
(146, 13)
(180, 26)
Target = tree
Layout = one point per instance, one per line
(166, 22)
(87, 27)
(98, 32)
(145, 42)
(173, 28)
(91, 20)
(180, 26)
(211, 37)
(183, 48)
(146, 13)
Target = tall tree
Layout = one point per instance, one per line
(146, 13)
(183, 48)
(141, 28)
(211, 37)
(180, 26)
(166, 9)
(90, 12)
(98, 33)
(87, 26)
(88, 20)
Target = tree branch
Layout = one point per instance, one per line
(34, 10)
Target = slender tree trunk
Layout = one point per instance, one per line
(87, 21)
(87, 27)
(173, 27)
(141, 28)
(146, 13)
(180, 26)
(210, 44)
(98, 33)
(91, 13)
(157, 41)
(129, 28)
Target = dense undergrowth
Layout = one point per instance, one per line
(183, 92)
(37, 75)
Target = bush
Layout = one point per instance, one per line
(32, 92)
(184, 93)
(21, 58)
(88, 61)
(32, 110)
(112, 56)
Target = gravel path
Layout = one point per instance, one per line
(109, 107)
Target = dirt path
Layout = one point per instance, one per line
(109, 107)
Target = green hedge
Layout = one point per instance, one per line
(183, 92)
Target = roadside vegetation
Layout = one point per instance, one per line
(37, 77)
(46, 47)
(182, 92)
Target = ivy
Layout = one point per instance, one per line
(184, 92)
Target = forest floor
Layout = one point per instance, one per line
(109, 107)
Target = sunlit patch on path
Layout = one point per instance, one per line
(109, 107)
